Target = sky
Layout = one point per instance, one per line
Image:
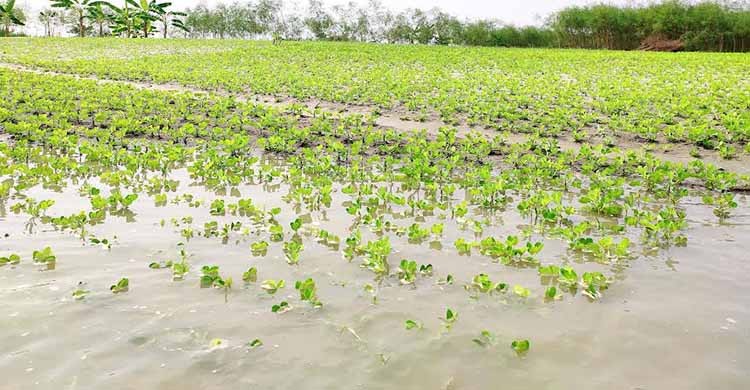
(517, 12)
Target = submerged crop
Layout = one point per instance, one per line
(334, 222)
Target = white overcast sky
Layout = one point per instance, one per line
(518, 12)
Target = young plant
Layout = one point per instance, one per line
(407, 271)
(271, 286)
(259, 248)
(481, 283)
(308, 292)
(296, 224)
(292, 251)
(179, 270)
(79, 294)
(593, 283)
(411, 324)
(11, 259)
(448, 280)
(122, 285)
(521, 291)
(251, 275)
(450, 318)
(210, 275)
(281, 307)
(45, 257)
(520, 346)
(485, 339)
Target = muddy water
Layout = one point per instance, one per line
(673, 319)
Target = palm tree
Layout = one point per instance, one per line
(10, 15)
(81, 9)
(46, 17)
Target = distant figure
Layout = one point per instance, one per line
(277, 39)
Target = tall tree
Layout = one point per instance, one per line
(145, 12)
(10, 15)
(318, 21)
(81, 10)
(47, 17)
(125, 22)
(100, 17)
(170, 18)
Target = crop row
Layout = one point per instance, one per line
(604, 206)
(698, 98)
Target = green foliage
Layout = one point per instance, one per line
(11, 259)
(407, 271)
(251, 275)
(481, 283)
(271, 286)
(210, 274)
(44, 256)
(509, 252)
(292, 249)
(598, 26)
(259, 248)
(485, 339)
(520, 346)
(611, 27)
(517, 198)
(281, 307)
(80, 294)
(122, 285)
(521, 291)
(411, 324)
(308, 292)
(450, 318)
(723, 204)
(296, 224)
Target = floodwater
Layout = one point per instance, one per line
(673, 319)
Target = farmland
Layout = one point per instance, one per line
(230, 213)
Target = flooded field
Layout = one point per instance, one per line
(163, 239)
(677, 311)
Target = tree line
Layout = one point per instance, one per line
(131, 19)
(706, 25)
(703, 26)
(352, 22)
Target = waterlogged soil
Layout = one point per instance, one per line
(402, 120)
(673, 318)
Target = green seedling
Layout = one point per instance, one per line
(11, 259)
(411, 324)
(122, 285)
(251, 275)
(272, 286)
(308, 292)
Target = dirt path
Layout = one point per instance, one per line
(679, 153)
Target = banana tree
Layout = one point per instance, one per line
(81, 9)
(124, 19)
(170, 18)
(10, 15)
(146, 13)
(99, 17)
